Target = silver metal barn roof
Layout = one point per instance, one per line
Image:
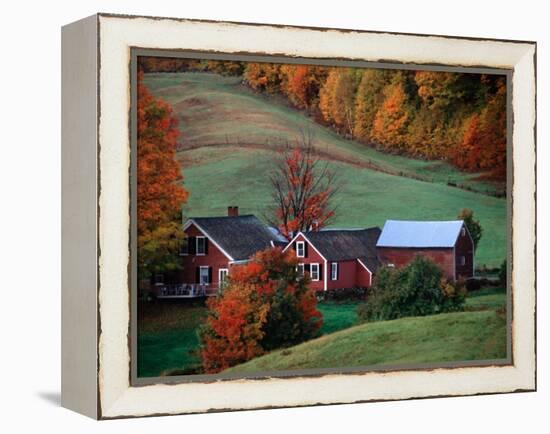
(402, 233)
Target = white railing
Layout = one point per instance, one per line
(185, 290)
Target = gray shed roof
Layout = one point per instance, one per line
(345, 244)
(240, 236)
(401, 233)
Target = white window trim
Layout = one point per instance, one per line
(204, 267)
(300, 268)
(197, 245)
(226, 270)
(311, 271)
(303, 244)
(334, 267)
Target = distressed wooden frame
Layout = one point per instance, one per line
(96, 245)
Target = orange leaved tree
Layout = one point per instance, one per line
(160, 193)
(266, 305)
(391, 120)
(483, 144)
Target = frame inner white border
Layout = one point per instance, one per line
(117, 35)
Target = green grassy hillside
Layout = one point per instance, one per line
(220, 176)
(229, 132)
(478, 335)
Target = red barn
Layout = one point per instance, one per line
(447, 243)
(337, 258)
(213, 245)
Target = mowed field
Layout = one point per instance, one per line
(229, 135)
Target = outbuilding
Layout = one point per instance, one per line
(447, 243)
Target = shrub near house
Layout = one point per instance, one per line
(416, 290)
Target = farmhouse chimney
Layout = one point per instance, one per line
(232, 211)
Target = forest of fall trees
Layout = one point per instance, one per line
(457, 117)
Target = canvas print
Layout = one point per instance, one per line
(305, 217)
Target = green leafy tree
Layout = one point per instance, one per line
(474, 227)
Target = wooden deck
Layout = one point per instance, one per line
(185, 290)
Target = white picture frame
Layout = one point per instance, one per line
(96, 357)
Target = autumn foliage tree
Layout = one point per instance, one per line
(266, 305)
(483, 145)
(302, 83)
(368, 101)
(160, 193)
(337, 99)
(263, 76)
(303, 188)
(391, 120)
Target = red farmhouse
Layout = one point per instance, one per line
(447, 243)
(337, 258)
(213, 245)
(333, 258)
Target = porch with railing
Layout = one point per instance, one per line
(185, 290)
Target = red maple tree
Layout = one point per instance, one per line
(266, 305)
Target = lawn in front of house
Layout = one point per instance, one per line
(168, 337)
(168, 341)
(337, 316)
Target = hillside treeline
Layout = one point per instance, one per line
(456, 117)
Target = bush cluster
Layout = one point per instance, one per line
(416, 290)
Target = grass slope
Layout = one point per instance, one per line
(168, 340)
(478, 335)
(228, 132)
(220, 176)
(216, 110)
